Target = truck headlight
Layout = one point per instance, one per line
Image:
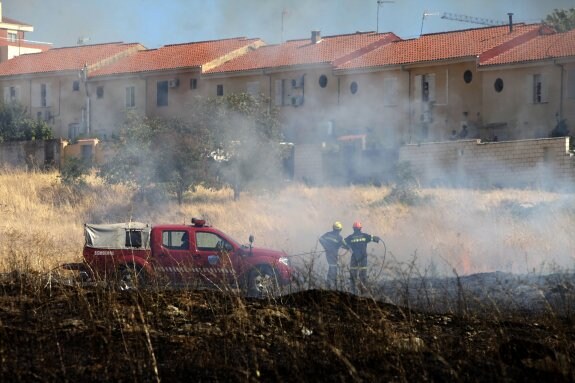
(284, 260)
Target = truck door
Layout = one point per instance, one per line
(174, 257)
(215, 256)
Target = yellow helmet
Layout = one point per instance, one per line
(337, 225)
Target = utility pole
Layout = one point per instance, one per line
(379, 4)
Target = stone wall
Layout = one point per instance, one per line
(538, 163)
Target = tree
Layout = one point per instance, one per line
(562, 20)
(230, 140)
(16, 125)
(250, 136)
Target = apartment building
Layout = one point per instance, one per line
(298, 78)
(52, 85)
(159, 82)
(373, 90)
(423, 89)
(12, 38)
(528, 88)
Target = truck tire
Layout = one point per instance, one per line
(262, 282)
(130, 277)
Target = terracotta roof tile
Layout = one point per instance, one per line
(442, 46)
(64, 59)
(177, 56)
(540, 48)
(303, 52)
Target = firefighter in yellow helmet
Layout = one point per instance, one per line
(357, 242)
(331, 242)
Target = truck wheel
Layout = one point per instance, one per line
(130, 277)
(262, 282)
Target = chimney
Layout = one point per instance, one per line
(315, 37)
(510, 22)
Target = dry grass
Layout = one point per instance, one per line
(466, 230)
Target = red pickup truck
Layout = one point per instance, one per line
(191, 256)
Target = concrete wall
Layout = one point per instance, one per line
(545, 163)
(31, 154)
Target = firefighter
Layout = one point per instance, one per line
(357, 242)
(331, 242)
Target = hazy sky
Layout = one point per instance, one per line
(159, 22)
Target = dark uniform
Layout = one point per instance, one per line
(357, 242)
(331, 242)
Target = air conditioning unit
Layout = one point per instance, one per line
(174, 83)
(297, 100)
(297, 82)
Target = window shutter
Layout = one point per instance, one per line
(36, 95)
(431, 82)
(48, 95)
(6, 94)
(17, 91)
(544, 89)
(571, 84)
(530, 88)
(390, 91)
(418, 89)
(278, 93)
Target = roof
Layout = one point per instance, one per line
(302, 52)
(543, 47)
(8, 20)
(176, 56)
(443, 46)
(65, 59)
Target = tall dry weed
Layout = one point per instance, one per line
(466, 230)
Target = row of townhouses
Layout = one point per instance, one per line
(500, 83)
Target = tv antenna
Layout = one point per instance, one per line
(379, 4)
(462, 18)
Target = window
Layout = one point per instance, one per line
(280, 93)
(467, 76)
(498, 85)
(76, 86)
(130, 97)
(12, 37)
(40, 95)
(43, 95)
(11, 94)
(323, 81)
(175, 240)
(133, 238)
(100, 92)
(428, 87)
(390, 91)
(219, 90)
(539, 92)
(209, 241)
(353, 87)
(193, 83)
(253, 88)
(162, 93)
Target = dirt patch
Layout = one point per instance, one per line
(60, 333)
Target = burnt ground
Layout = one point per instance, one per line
(52, 333)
